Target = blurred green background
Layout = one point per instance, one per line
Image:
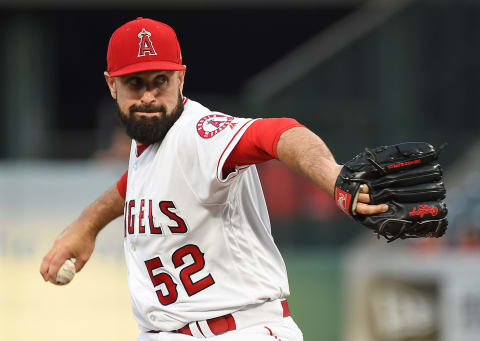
(316, 298)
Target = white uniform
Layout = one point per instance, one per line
(198, 245)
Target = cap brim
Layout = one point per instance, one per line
(147, 66)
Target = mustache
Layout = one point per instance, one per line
(148, 108)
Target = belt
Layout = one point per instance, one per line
(226, 323)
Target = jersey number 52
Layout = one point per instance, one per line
(191, 287)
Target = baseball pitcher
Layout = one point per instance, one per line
(200, 256)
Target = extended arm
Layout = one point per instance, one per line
(290, 142)
(306, 153)
(78, 240)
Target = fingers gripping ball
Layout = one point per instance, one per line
(407, 177)
(66, 272)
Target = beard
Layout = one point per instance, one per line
(150, 129)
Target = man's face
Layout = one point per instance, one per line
(149, 102)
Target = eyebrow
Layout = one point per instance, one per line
(126, 78)
(166, 73)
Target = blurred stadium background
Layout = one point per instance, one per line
(359, 73)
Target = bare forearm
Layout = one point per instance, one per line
(306, 153)
(102, 211)
(78, 240)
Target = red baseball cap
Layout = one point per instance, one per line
(141, 45)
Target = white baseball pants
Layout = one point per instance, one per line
(283, 330)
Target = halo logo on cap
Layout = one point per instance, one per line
(145, 45)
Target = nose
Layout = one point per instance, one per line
(148, 97)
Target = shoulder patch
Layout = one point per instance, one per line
(211, 125)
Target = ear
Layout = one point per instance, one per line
(181, 79)
(111, 84)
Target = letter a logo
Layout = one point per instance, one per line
(145, 45)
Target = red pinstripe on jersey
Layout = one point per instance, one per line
(229, 143)
(271, 334)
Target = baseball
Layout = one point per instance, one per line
(66, 272)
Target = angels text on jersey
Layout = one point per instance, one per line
(142, 216)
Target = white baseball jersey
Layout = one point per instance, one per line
(197, 244)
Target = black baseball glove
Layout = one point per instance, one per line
(408, 178)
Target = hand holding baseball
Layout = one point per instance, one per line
(78, 240)
(58, 266)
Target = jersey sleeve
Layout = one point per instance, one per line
(203, 141)
(229, 145)
(122, 185)
(204, 144)
(259, 143)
